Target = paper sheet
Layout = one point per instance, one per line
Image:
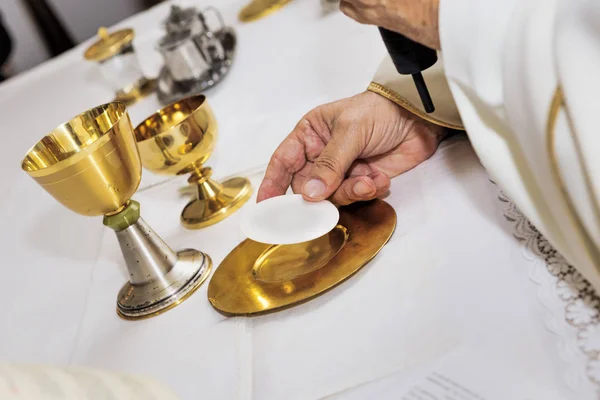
(462, 374)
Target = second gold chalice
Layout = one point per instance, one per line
(91, 165)
(177, 140)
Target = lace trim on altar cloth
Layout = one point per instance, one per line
(564, 289)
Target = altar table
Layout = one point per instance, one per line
(462, 269)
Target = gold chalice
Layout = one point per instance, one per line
(91, 165)
(178, 140)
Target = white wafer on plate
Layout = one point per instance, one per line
(288, 219)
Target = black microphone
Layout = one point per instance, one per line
(411, 58)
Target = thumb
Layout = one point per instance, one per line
(329, 169)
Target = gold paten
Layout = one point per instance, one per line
(258, 9)
(283, 263)
(178, 140)
(257, 278)
(109, 44)
(92, 166)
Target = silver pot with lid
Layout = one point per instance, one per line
(195, 56)
(184, 58)
(183, 19)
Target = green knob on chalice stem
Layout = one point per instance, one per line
(124, 218)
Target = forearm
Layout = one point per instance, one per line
(415, 20)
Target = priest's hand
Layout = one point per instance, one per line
(348, 150)
(415, 19)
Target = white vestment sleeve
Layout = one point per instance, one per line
(506, 62)
(521, 77)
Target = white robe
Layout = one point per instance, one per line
(523, 79)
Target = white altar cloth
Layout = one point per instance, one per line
(452, 275)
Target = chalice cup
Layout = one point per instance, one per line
(177, 140)
(92, 166)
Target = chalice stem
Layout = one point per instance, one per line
(206, 188)
(209, 190)
(159, 278)
(214, 200)
(147, 256)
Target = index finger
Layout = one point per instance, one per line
(288, 159)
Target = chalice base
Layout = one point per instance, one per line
(136, 92)
(211, 207)
(147, 299)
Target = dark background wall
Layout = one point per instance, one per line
(80, 18)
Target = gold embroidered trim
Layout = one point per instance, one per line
(402, 102)
(558, 103)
